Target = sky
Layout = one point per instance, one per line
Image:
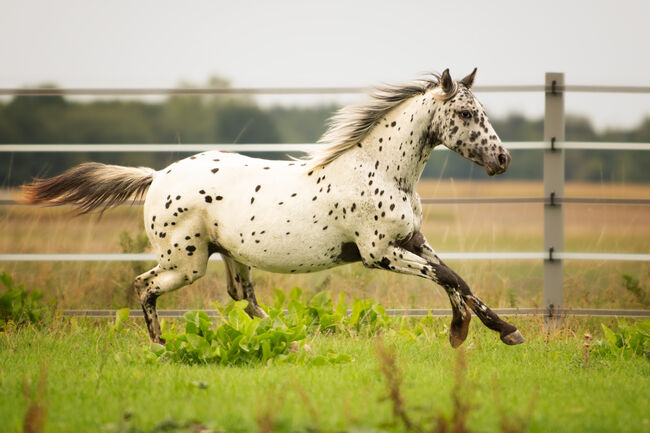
(132, 43)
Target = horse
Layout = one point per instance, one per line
(352, 200)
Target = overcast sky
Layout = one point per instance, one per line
(131, 43)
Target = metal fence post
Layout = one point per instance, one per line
(553, 190)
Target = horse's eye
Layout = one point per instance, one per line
(466, 114)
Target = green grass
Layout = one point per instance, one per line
(94, 378)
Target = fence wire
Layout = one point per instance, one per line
(405, 312)
(341, 90)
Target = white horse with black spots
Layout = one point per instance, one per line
(354, 200)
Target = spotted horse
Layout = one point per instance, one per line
(352, 200)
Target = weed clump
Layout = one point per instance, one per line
(239, 339)
(458, 420)
(363, 317)
(19, 305)
(628, 341)
(633, 286)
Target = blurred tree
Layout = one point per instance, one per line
(239, 123)
(229, 119)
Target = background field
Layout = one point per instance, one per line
(449, 228)
(97, 381)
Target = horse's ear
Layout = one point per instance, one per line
(446, 83)
(468, 81)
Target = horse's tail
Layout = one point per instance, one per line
(90, 186)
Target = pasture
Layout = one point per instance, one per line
(97, 380)
(449, 228)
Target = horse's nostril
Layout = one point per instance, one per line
(503, 159)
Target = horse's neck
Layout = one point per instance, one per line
(399, 146)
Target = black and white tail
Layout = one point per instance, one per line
(90, 186)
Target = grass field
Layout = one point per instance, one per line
(449, 228)
(96, 381)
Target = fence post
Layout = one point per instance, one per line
(553, 190)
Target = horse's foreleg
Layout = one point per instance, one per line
(399, 259)
(454, 284)
(240, 286)
(448, 278)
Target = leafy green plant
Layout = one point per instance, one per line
(239, 339)
(121, 317)
(628, 341)
(368, 317)
(19, 305)
(321, 312)
(427, 327)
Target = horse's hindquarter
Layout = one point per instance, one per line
(272, 215)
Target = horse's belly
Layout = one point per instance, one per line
(293, 252)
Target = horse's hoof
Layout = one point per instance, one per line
(459, 327)
(458, 332)
(513, 338)
(455, 340)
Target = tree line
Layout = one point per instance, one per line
(230, 119)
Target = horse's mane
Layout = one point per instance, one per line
(351, 124)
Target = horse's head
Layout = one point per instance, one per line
(461, 125)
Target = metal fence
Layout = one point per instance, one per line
(553, 146)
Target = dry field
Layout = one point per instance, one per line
(449, 228)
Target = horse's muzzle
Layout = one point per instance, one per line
(499, 165)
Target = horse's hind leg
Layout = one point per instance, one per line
(160, 280)
(150, 286)
(240, 286)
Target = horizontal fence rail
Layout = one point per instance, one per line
(405, 312)
(308, 147)
(478, 255)
(295, 147)
(473, 200)
(532, 200)
(341, 90)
